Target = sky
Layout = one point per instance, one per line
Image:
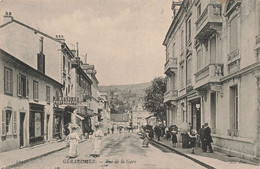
(122, 38)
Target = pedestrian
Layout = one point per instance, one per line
(146, 139)
(167, 133)
(201, 136)
(112, 130)
(207, 139)
(98, 134)
(73, 139)
(174, 138)
(158, 132)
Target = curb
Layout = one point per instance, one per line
(18, 163)
(185, 155)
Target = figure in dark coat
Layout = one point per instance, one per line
(201, 136)
(207, 139)
(157, 132)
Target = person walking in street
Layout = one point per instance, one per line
(112, 130)
(73, 139)
(98, 134)
(207, 139)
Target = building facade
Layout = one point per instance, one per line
(212, 69)
(26, 103)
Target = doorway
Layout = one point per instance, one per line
(47, 127)
(213, 111)
(196, 115)
(22, 128)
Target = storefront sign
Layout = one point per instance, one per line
(65, 100)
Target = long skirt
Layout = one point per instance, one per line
(146, 141)
(97, 145)
(73, 148)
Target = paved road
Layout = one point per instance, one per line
(118, 151)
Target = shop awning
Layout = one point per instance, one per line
(87, 112)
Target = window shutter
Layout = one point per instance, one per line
(3, 123)
(15, 123)
(5, 80)
(27, 88)
(18, 85)
(11, 82)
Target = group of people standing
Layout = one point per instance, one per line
(73, 140)
(202, 138)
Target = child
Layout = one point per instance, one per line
(174, 138)
(146, 139)
(73, 139)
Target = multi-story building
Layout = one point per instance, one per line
(49, 55)
(139, 115)
(26, 103)
(212, 68)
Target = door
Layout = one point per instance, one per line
(22, 123)
(213, 111)
(196, 115)
(47, 127)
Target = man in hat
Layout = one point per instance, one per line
(207, 138)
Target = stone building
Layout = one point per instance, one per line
(26, 104)
(212, 69)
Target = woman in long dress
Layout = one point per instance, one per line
(98, 134)
(73, 139)
(146, 139)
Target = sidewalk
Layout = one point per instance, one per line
(215, 159)
(17, 157)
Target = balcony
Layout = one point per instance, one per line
(209, 21)
(170, 95)
(209, 74)
(170, 66)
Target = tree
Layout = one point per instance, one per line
(154, 95)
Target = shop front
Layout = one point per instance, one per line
(57, 123)
(36, 124)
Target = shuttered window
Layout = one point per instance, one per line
(35, 91)
(22, 86)
(234, 34)
(48, 94)
(9, 122)
(8, 81)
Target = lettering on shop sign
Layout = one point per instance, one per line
(65, 100)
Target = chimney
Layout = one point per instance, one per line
(86, 58)
(60, 38)
(176, 4)
(8, 17)
(77, 45)
(41, 57)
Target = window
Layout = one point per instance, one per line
(189, 71)
(35, 91)
(9, 124)
(188, 31)
(233, 34)
(199, 59)
(64, 62)
(181, 76)
(198, 10)
(182, 37)
(234, 110)
(48, 94)
(173, 50)
(23, 86)
(8, 81)
(213, 50)
(69, 67)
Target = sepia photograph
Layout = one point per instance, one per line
(130, 84)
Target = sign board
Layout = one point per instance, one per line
(65, 100)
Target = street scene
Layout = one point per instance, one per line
(130, 84)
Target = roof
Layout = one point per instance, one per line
(30, 69)
(65, 47)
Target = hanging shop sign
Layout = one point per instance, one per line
(65, 100)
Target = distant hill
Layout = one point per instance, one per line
(133, 87)
(123, 98)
